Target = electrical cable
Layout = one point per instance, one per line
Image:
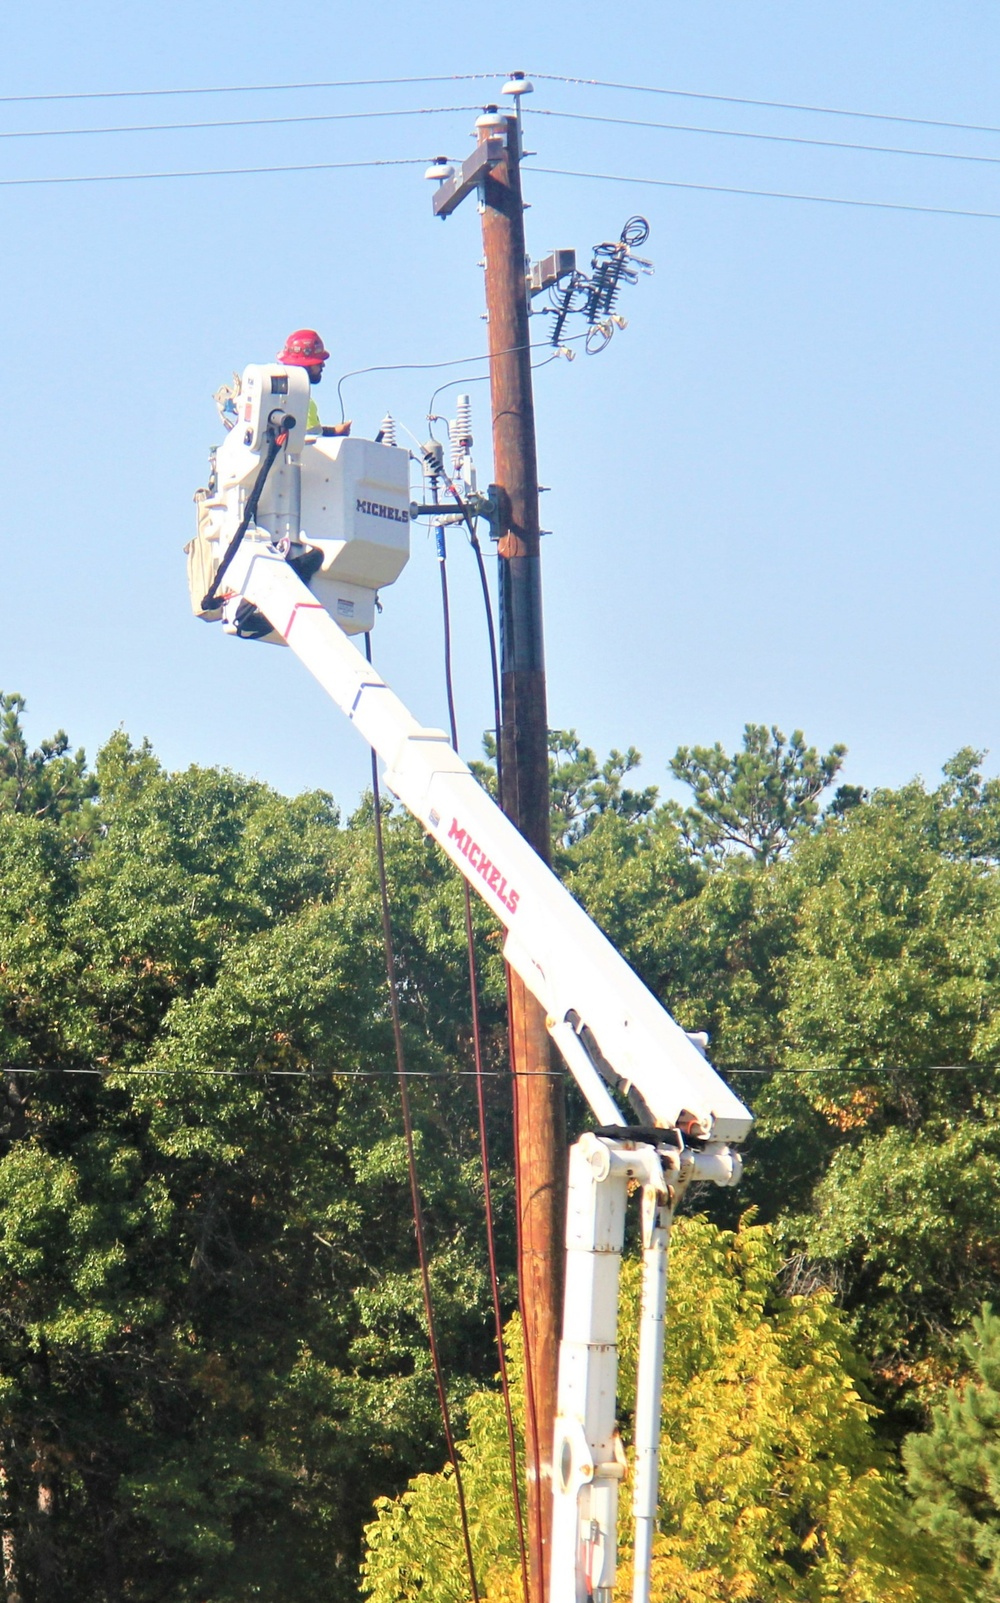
(275, 440)
(455, 361)
(470, 944)
(245, 89)
(531, 1402)
(779, 139)
(310, 1074)
(483, 378)
(484, 586)
(212, 172)
(774, 194)
(411, 1163)
(490, 1074)
(242, 122)
(771, 105)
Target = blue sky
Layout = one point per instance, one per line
(773, 498)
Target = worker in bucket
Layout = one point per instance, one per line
(305, 349)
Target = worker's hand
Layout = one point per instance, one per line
(337, 430)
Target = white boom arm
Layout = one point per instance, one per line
(598, 1010)
(609, 1027)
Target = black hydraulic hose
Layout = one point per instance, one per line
(411, 1164)
(488, 605)
(484, 1150)
(277, 437)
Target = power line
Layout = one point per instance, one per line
(771, 105)
(456, 361)
(239, 122)
(779, 139)
(213, 172)
(243, 89)
(773, 194)
(287, 1074)
(490, 1074)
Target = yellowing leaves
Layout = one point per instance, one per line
(772, 1488)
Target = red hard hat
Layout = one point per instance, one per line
(304, 348)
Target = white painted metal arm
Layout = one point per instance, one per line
(600, 1013)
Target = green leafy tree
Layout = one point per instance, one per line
(757, 798)
(212, 1355)
(772, 1485)
(889, 999)
(954, 1468)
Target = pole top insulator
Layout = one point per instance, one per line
(440, 169)
(518, 84)
(492, 120)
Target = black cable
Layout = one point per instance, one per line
(483, 378)
(497, 1074)
(773, 194)
(531, 1403)
(240, 122)
(778, 139)
(275, 442)
(771, 105)
(484, 1151)
(316, 1074)
(484, 585)
(411, 1163)
(212, 172)
(417, 367)
(244, 89)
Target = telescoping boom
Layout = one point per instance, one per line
(331, 515)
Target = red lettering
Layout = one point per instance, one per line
(483, 865)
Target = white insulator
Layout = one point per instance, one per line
(463, 418)
(387, 428)
(457, 448)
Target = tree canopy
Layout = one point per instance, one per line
(212, 1351)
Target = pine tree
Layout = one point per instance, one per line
(954, 1469)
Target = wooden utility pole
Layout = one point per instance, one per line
(539, 1102)
(493, 171)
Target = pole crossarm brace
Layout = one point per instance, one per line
(469, 176)
(473, 504)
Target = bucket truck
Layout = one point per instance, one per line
(330, 527)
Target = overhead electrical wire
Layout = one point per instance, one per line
(237, 122)
(770, 105)
(556, 172)
(455, 361)
(779, 139)
(244, 89)
(473, 77)
(213, 172)
(462, 1074)
(774, 194)
(288, 1074)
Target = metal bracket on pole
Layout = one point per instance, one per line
(487, 507)
(470, 175)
